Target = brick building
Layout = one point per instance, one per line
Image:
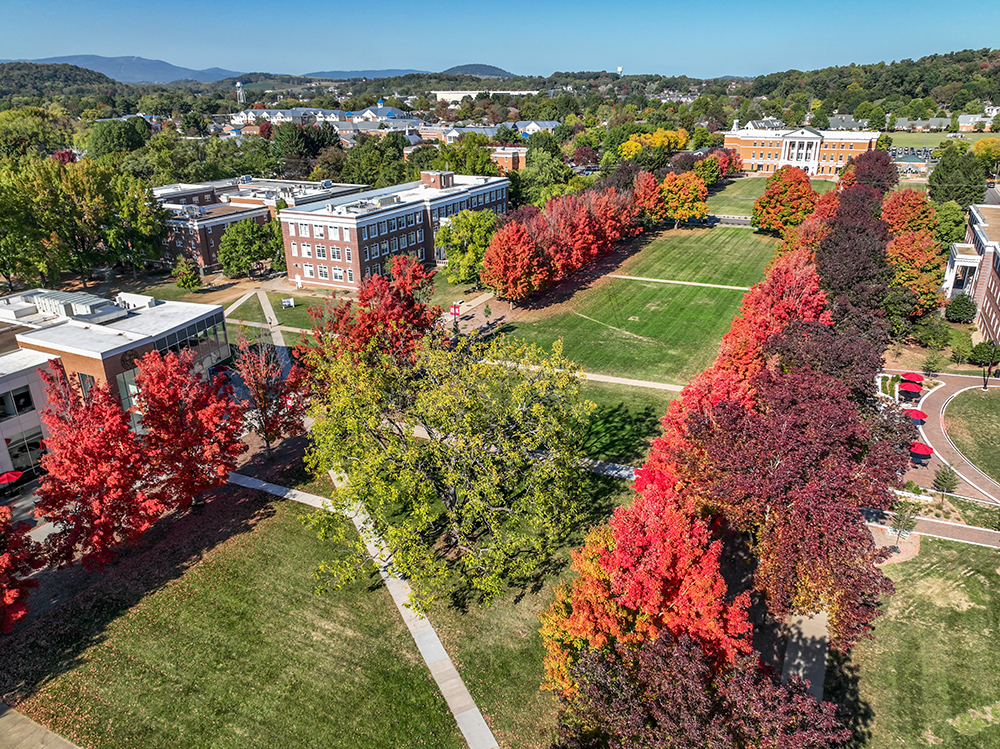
(201, 212)
(334, 244)
(817, 152)
(509, 158)
(974, 268)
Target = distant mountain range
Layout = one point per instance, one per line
(343, 75)
(138, 69)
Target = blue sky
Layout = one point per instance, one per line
(699, 39)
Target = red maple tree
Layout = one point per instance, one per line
(787, 200)
(95, 468)
(275, 400)
(191, 428)
(568, 233)
(908, 210)
(647, 196)
(512, 265)
(19, 557)
(390, 314)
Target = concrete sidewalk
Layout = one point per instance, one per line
(19, 732)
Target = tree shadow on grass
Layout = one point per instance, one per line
(620, 434)
(52, 643)
(843, 678)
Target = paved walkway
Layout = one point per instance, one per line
(633, 383)
(232, 307)
(468, 717)
(679, 283)
(973, 483)
(20, 732)
(805, 653)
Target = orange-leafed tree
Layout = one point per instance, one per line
(654, 568)
(567, 234)
(684, 195)
(908, 210)
(19, 557)
(512, 265)
(787, 200)
(826, 205)
(615, 217)
(647, 196)
(191, 428)
(95, 468)
(918, 265)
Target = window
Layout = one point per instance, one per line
(195, 198)
(377, 269)
(420, 253)
(180, 243)
(753, 155)
(350, 275)
(348, 254)
(385, 246)
(347, 234)
(334, 233)
(402, 242)
(335, 253)
(393, 244)
(303, 230)
(307, 250)
(381, 227)
(324, 272)
(209, 230)
(318, 231)
(420, 235)
(364, 232)
(392, 224)
(295, 249)
(434, 213)
(462, 206)
(366, 252)
(17, 402)
(413, 237)
(410, 219)
(211, 243)
(321, 252)
(308, 269)
(420, 218)
(338, 274)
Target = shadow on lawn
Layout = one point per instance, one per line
(842, 679)
(53, 643)
(620, 434)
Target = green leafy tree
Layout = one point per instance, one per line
(951, 223)
(934, 362)
(113, 136)
(466, 459)
(28, 131)
(329, 164)
(187, 274)
(465, 239)
(246, 242)
(470, 154)
(984, 354)
(904, 518)
(946, 480)
(542, 171)
(961, 309)
(543, 141)
(959, 177)
(961, 346)
(140, 221)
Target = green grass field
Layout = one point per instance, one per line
(445, 293)
(732, 257)
(297, 316)
(972, 420)
(932, 140)
(737, 198)
(250, 310)
(931, 676)
(637, 329)
(626, 420)
(238, 651)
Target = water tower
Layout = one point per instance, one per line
(240, 96)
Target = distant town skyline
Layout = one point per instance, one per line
(526, 38)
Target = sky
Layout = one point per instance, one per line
(529, 37)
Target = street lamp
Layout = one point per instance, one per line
(988, 370)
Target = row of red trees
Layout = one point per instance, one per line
(538, 248)
(780, 441)
(105, 484)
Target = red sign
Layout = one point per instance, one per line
(456, 310)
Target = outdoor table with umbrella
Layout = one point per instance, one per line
(912, 377)
(911, 389)
(920, 453)
(917, 415)
(7, 479)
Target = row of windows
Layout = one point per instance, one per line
(774, 155)
(319, 231)
(324, 271)
(777, 143)
(388, 246)
(391, 224)
(335, 252)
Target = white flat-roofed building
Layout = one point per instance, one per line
(334, 244)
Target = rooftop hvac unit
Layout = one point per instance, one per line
(326, 184)
(387, 200)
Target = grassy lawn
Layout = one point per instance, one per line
(297, 316)
(732, 257)
(973, 423)
(250, 310)
(932, 140)
(446, 293)
(737, 198)
(625, 421)
(236, 650)
(636, 329)
(910, 185)
(931, 676)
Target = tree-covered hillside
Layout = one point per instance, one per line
(38, 79)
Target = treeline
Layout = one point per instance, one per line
(780, 445)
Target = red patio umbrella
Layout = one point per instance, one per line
(919, 448)
(914, 413)
(913, 377)
(10, 476)
(909, 387)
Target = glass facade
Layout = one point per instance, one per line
(26, 450)
(15, 402)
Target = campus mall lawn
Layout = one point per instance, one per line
(626, 419)
(238, 651)
(737, 197)
(972, 421)
(931, 676)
